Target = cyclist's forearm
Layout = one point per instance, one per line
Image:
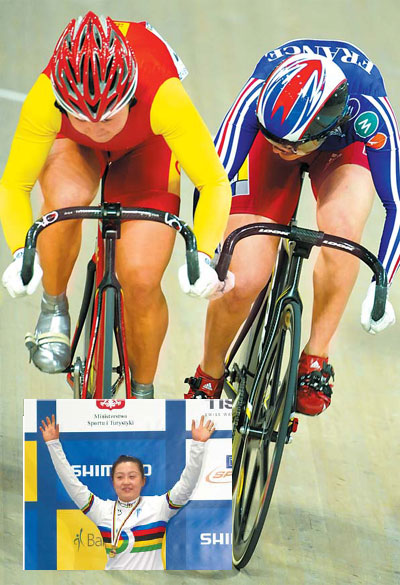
(179, 495)
(15, 216)
(37, 128)
(389, 249)
(211, 216)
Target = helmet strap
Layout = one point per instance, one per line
(59, 107)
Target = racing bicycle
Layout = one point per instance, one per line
(100, 324)
(261, 371)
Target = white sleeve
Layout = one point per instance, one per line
(77, 491)
(179, 495)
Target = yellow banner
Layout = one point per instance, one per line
(30, 471)
(79, 543)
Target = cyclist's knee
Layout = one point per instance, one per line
(70, 176)
(142, 289)
(341, 225)
(71, 197)
(245, 291)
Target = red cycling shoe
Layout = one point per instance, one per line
(313, 389)
(203, 386)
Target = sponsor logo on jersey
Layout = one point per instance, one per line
(366, 124)
(219, 475)
(229, 461)
(378, 141)
(110, 404)
(353, 108)
(210, 538)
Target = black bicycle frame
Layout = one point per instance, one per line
(111, 215)
(305, 240)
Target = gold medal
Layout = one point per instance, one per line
(112, 552)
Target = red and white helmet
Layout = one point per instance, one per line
(303, 99)
(93, 69)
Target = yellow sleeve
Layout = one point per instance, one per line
(37, 128)
(174, 116)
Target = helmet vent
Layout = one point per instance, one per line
(68, 42)
(98, 66)
(114, 83)
(57, 73)
(112, 39)
(68, 86)
(125, 72)
(109, 67)
(71, 69)
(82, 37)
(93, 109)
(82, 67)
(90, 80)
(97, 37)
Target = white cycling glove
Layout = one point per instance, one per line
(12, 276)
(371, 326)
(207, 286)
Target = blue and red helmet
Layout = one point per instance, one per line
(304, 98)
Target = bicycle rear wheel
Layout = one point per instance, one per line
(265, 430)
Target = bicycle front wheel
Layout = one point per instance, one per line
(265, 430)
(244, 360)
(99, 341)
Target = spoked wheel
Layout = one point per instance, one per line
(265, 431)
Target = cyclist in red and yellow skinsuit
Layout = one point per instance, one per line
(111, 97)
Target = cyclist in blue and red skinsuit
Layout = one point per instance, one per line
(323, 103)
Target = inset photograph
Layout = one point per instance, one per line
(127, 485)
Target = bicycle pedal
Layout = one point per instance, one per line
(292, 428)
(293, 424)
(30, 344)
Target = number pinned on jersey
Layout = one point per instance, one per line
(179, 64)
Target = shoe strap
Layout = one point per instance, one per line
(49, 337)
(193, 382)
(317, 381)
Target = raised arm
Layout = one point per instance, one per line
(179, 495)
(77, 491)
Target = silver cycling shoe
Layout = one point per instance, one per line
(142, 390)
(49, 347)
